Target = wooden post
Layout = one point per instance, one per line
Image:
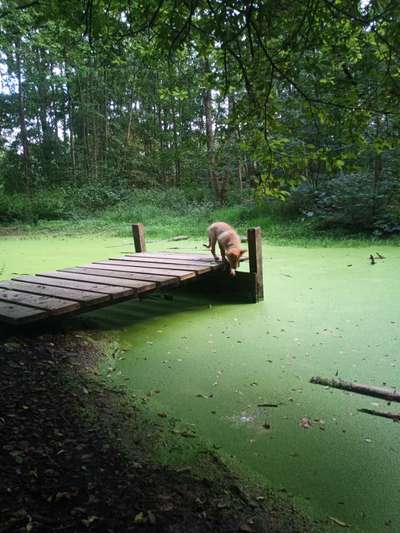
(255, 260)
(138, 237)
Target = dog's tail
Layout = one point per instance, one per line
(207, 245)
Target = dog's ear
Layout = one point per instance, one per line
(242, 252)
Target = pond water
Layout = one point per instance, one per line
(216, 366)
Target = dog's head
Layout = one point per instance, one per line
(233, 257)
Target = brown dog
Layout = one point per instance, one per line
(228, 242)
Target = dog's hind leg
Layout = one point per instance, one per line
(212, 243)
(222, 252)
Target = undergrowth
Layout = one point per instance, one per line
(165, 214)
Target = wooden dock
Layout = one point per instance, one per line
(67, 291)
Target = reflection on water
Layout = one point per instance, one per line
(252, 417)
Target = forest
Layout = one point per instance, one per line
(292, 104)
(147, 384)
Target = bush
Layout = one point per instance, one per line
(20, 207)
(119, 203)
(352, 202)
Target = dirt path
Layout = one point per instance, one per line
(66, 466)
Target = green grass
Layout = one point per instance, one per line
(167, 213)
(164, 223)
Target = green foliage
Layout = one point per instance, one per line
(352, 201)
(220, 99)
(121, 205)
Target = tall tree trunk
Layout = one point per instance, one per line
(83, 129)
(43, 97)
(378, 168)
(105, 121)
(240, 178)
(124, 167)
(71, 116)
(176, 144)
(22, 121)
(207, 100)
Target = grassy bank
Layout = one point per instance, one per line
(165, 224)
(168, 213)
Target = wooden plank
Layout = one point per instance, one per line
(255, 258)
(181, 274)
(54, 306)
(115, 292)
(202, 257)
(114, 272)
(150, 264)
(80, 274)
(193, 256)
(185, 263)
(83, 297)
(138, 237)
(15, 314)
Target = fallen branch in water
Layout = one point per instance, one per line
(393, 416)
(179, 238)
(387, 393)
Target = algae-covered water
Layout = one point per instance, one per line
(215, 366)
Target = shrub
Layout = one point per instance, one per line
(123, 203)
(351, 201)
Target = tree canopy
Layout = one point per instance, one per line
(260, 93)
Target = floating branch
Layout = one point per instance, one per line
(387, 393)
(179, 238)
(393, 416)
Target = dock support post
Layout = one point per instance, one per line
(255, 261)
(138, 237)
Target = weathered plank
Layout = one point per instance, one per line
(150, 264)
(15, 314)
(196, 256)
(203, 257)
(83, 297)
(80, 275)
(167, 260)
(54, 306)
(113, 272)
(138, 237)
(255, 258)
(114, 292)
(181, 274)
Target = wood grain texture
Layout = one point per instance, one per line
(80, 274)
(198, 269)
(83, 297)
(112, 272)
(16, 315)
(114, 292)
(166, 259)
(138, 237)
(181, 274)
(183, 264)
(54, 306)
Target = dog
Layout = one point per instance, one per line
(228, 242)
